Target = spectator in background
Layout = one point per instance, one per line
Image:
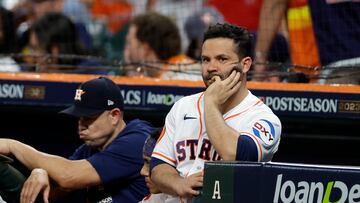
(55, 46)
(8, 42)
(153, 47)
(195, 26)
(116, 13)
(321, 33)
(29, 11)
(109, 27)
(78, 12)
(178, 11)
(107, 165)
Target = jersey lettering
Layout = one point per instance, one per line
(205, 150)
(186, 149)
(180, 149)
(193, 145)
(216, 156)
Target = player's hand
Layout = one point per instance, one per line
(5, 146)
(220, 90)
(37, 182)
(188, 186)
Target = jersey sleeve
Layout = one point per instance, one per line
(164, 149)
(259, 139)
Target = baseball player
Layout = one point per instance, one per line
(155, 195)
(225, 122)
(106, 167)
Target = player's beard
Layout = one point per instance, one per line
(209, 79)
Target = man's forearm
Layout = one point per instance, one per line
(63, 171)
(166, 178)
(272, 12)
(33, 158)
(221, 136)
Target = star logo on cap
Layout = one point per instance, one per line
(109, 102)
(78, 94)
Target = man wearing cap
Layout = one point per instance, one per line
(107, 165)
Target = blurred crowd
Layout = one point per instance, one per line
(91, 37)
(162, 38)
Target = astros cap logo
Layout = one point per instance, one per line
(78, 94)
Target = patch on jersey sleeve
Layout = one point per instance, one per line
(264, 130)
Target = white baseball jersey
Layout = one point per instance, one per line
(155, 198)
(185, 144)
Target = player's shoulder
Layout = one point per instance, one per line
(259, 107)
(261, 112)
(189, 100)
(264, 125)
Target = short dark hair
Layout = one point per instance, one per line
(160, 32)
(57, 29)
(8, 40)
(155, 134)
(241, 36)
(150, 142)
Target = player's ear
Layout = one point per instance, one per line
(246, 64)
(116, 114)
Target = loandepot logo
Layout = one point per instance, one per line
(308, 192)
(165, 99)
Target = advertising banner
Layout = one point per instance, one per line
(279, 183)
(161, 98)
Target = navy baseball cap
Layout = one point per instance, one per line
(94, 97)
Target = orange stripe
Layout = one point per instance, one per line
(69, 78)
(161, 134)
(256, 140)
(232, 116)
(200, 117)
(173, 161)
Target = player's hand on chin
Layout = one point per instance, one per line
(220, 90)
